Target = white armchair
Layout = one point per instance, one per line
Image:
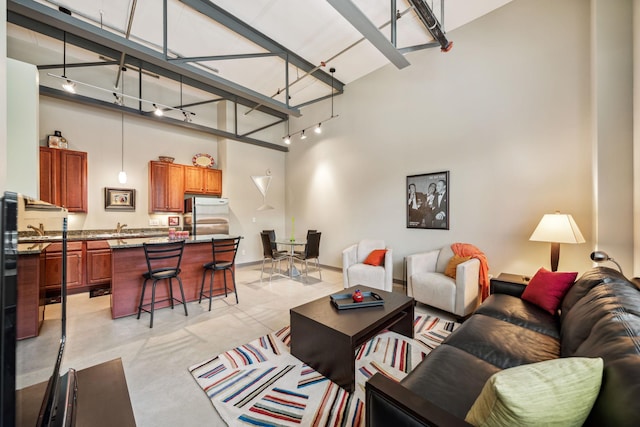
(355, 272)
(428, 284)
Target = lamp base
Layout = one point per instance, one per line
(555, 256)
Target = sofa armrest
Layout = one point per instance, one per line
(508, 288)
(388, 270)
(467, 278)
(349, 257)
(422, 262)
(388, 403)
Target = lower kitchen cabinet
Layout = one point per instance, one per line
(98, 264)
(88, 266)
(53, 267)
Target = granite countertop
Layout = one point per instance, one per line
(137, 242)
(74, 236)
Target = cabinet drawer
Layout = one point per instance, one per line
(97, 244)
(71, 246)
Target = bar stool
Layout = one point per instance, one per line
(224, 258)
(163, 262)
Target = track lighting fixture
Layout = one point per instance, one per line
(121, 97)
(157, 111)
(316, 128)
(187, 116)
(68, 85)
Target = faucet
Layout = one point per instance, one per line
(120, 227)
(39, 230)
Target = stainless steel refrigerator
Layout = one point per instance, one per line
(207, 215)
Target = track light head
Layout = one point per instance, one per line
(303, 136)
(119, 100)
(287, 139)
(318, 129)
(158, 112)
(187, 116)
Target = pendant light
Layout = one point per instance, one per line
(122, 176)
(68, 85)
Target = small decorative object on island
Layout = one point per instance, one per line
(57, 140)
(293, 229)
(357, 296)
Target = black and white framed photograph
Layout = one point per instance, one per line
(120, 199)
(428, 201)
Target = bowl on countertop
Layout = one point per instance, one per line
(166, 159)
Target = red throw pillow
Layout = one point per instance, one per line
(376, 257)
(546, 289)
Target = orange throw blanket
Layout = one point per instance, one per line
(467, 249)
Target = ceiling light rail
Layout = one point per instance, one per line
(317, 128)
(158, 107)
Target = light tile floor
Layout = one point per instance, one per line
(156, 361)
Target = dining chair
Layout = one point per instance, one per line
(308, 232)
(271, 254)
(224, 257)
(163, 263)
(311, 251)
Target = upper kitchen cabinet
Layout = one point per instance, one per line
(63, 178)
(166, 187)
(199, 180)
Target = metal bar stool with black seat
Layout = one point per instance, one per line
(224, 258)
(163, 263)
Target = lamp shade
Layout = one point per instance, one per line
(557, 228)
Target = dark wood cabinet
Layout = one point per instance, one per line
(199, 180)
(53, 267)
(166, 187)
(63, 178)
(31, 301)
(98, 263)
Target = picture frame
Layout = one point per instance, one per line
(120, 199)
(427, 201)
(174, 221)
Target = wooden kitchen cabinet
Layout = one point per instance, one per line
(98, 262)
(53, 267)
(63, 178)
(199, 180)
(166, 187)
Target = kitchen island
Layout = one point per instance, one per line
(128, 263)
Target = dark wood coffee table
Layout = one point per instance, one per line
(326, 338)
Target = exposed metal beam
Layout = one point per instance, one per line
(60, 94)
(59, 20)
(220, 15)
(359, 20)
(224, 57)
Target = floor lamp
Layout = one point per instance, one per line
(557, 228)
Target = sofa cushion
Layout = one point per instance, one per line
(503, 344)
(446, 253)
(366, 246)
(451, 378)
(453, 265)
(546, 289)
(558, 392)
(521, 313)
(376, 257)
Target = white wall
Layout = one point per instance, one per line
(22, 135)
(507, 112)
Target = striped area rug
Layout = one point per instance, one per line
(262, 384)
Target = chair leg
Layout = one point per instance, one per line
(224, 275)
(235, 288)
(211, 287)
(318, 267)
(262, 272)
(171, 292)
(153, 300)
(184, 302)
(204, 275)
(144, 286)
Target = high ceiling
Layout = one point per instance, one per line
(269, 43)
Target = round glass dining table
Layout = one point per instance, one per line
(292, 271)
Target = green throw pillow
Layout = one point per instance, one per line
(558, 392)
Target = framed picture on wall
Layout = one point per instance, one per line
(174, 221)
(120, 199)
(428, 201)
